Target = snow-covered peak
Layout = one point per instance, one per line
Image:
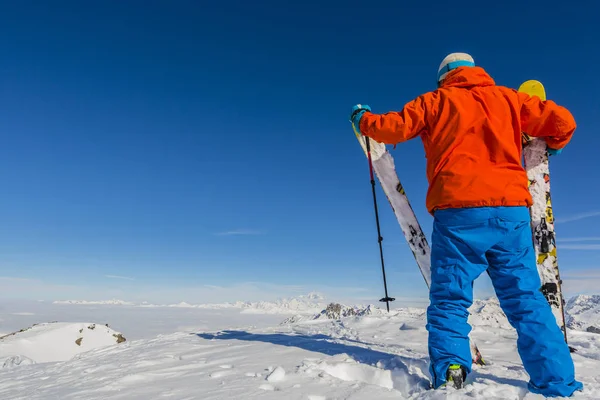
(583, 313)
(304, 304)
(489, 313)
(582, 303)
(336, 311)
(183, 304)
(309, 304)
(50, 342)
(314, 296)
(113, 302)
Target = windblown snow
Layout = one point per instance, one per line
(338, 352)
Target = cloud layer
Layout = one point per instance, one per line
(578, 217)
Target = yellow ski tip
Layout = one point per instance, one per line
(533, 88)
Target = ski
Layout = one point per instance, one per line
(384, 167)
(535, 160)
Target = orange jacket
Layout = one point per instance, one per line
(471, 130)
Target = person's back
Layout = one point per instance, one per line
(478, 194)
(473, 143)
(471, 131)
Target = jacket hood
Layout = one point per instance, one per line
(467, 77)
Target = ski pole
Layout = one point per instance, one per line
(387, 298)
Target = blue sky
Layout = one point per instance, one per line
(203, 149)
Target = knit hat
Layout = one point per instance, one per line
(453, 61)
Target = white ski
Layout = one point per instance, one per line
(535, 159)
(385, 169)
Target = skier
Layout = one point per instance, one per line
(478, 194)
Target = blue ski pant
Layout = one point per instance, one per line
(465, 243)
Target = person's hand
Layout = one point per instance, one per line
(357, 113)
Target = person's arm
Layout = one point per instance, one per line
(395, 126)
(548, 120)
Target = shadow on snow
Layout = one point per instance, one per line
(407, 373)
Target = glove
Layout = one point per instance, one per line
(357, 113)
(554, 152)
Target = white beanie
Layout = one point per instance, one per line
(453, 61)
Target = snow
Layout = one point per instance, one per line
(54, 342)
(583, 313)
(102, 302)
(311, 303)
(135, 322)
(278, 375)
(335, 311)
(229, 354)
(488, 313)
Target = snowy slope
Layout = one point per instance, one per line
(54, 342)
(378, 356)
(583, 313)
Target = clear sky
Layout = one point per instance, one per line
(196, 150)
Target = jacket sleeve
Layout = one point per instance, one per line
(547, 119)
(396, 126)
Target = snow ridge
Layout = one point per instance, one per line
(113, 302)
(488, 313)
(335, 311)
(483, 313)
(304, 304)
(50, 342)
(583, 313)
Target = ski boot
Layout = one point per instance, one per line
(456, 376)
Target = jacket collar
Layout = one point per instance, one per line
(465, 77)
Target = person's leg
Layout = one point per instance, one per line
(459, 242)
(514, 274)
